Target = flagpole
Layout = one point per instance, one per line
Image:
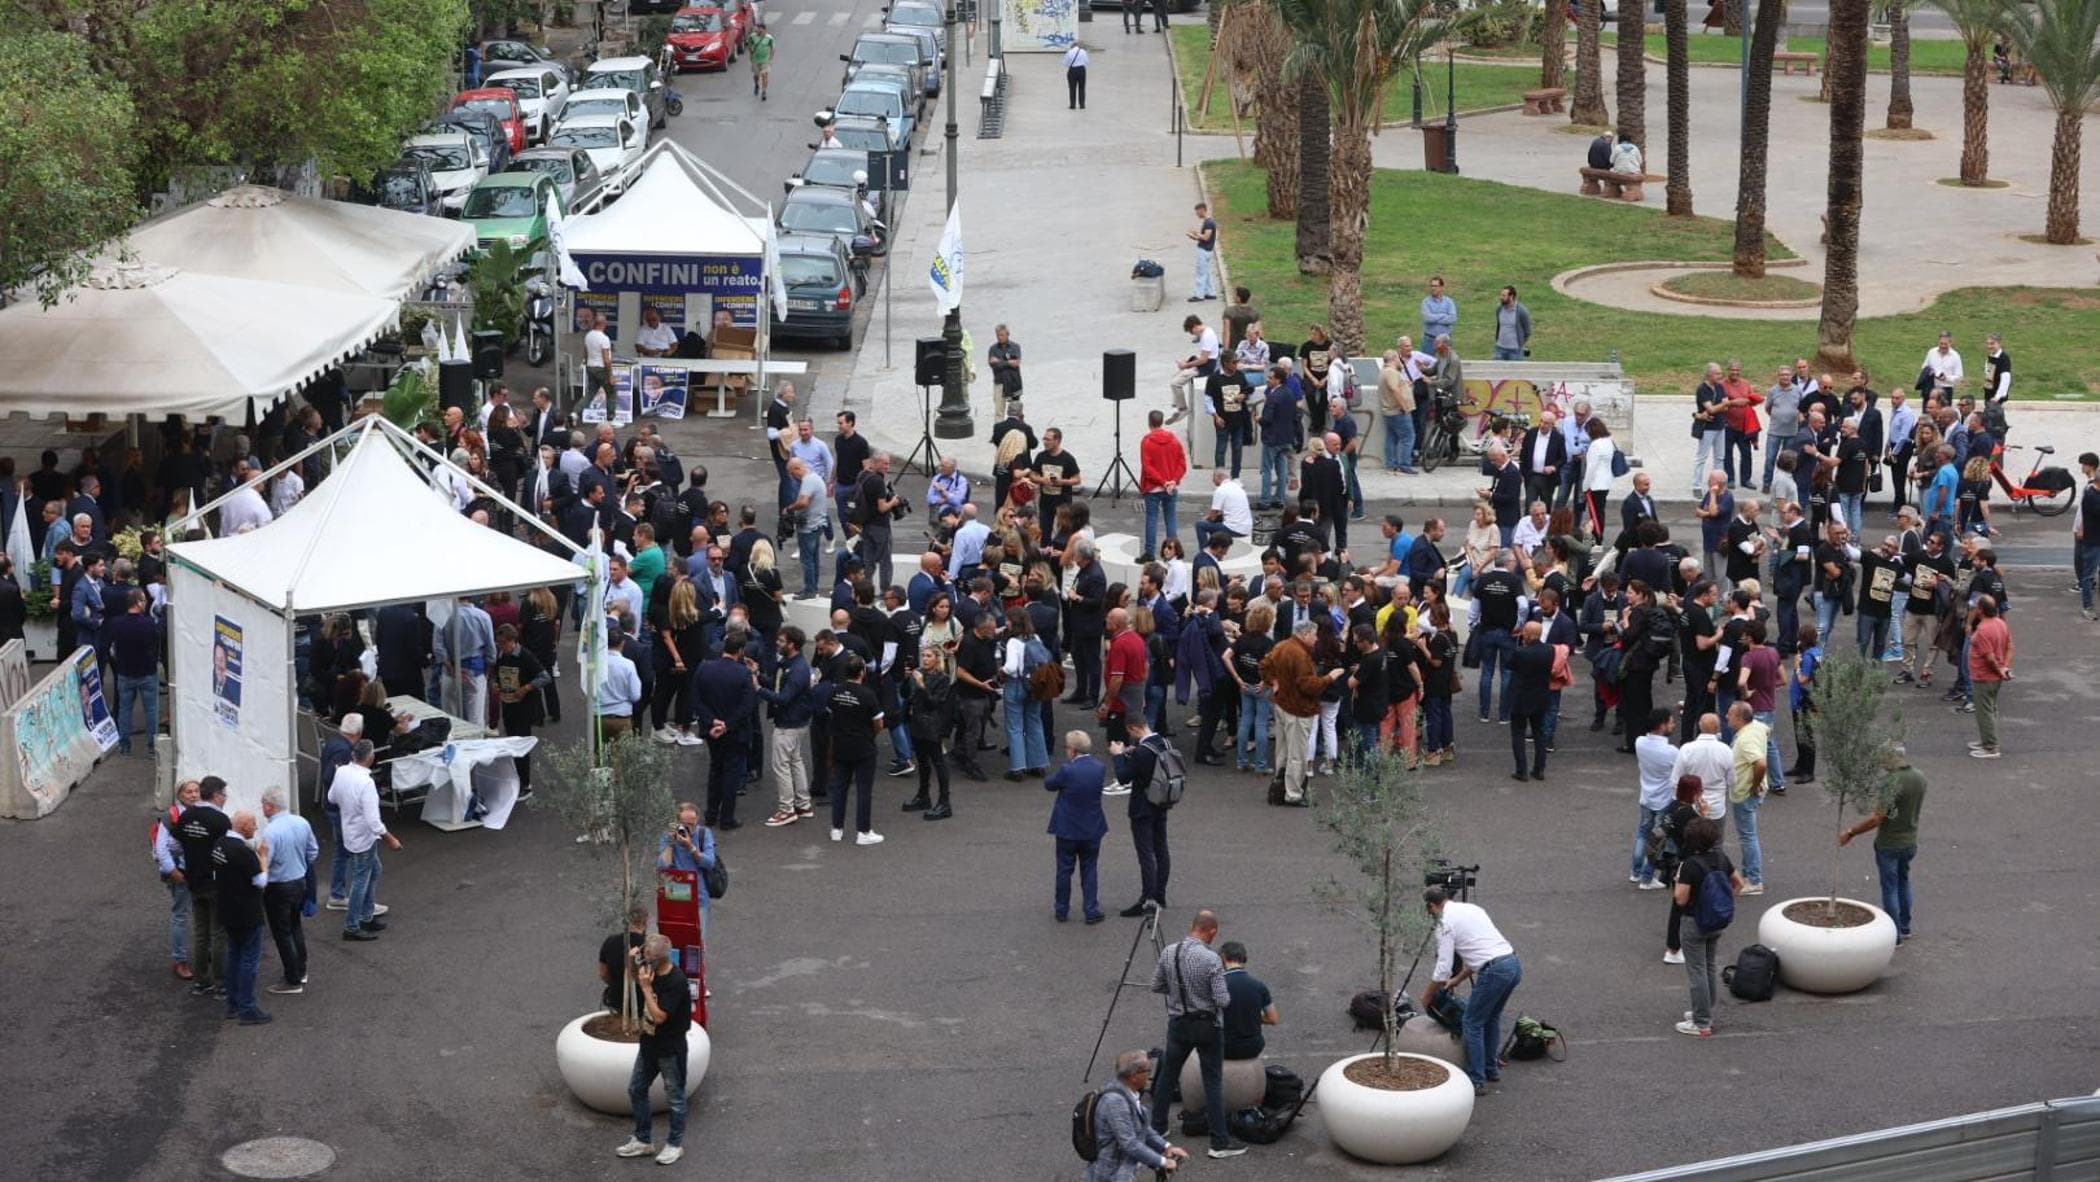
(954, 421)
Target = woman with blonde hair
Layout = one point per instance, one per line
(761, 591)
(1973, 498)
(682, 646)
(539, 630)
(1482, 540)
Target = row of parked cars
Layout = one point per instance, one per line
(831, 223)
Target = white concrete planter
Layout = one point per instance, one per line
(1246, 1080)
(40, 638)
(1828, 960)
(1394, 1128)
(597, 1071)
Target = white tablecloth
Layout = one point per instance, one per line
(456, 771)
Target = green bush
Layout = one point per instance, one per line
(1501, 23)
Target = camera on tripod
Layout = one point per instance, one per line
(1456, 880)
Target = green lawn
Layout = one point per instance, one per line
(1479, 244)
(1926, 57)
(1478, 86)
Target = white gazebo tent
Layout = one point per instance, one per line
(374, 533)
(255, 232)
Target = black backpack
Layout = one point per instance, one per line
(1755, 974)
(1284, 1096)
(1086, 1141)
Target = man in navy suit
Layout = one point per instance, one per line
(1076, 821)
(718, 592)
(1530, 681)
(1543, 457)
(725, 704)
(1557, 626)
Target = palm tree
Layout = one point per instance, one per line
(1315, 223)
(1899, 67)
(1553, 45)
(1588, 107)
(2058, 39)
(1848, 125)
(1633, 77)
(1255, 42)
(1757, 138)
(1678, 191)
(1976, 21)
(1354, 49)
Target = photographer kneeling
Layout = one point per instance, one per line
(1465, 932)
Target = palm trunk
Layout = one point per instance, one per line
(1732, 17)
(1315, 130)
(1757, 138)
(1899, 67)
(1633, 81)
(1848, 121)
(1276, 115)
(1975, 113)
(1351, 188)
(2062, 228)
(1553, 45)
(1588, 107)
(1678, 191)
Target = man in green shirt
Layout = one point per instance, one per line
(760, 47)
(1895, 825)
(648, 562)
(1746, 790)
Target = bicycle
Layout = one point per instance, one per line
(1445, 432)
(2048, 491)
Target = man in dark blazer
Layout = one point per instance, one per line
(1530, 693)
(403, 635)
(717, 592)
(1322, 482)
(1639, 504)
(1542, 457)
(1425, 560)
(1076, 821)
(543, 423)
(1086, 622)
(725, 704)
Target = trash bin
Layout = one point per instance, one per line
(1435, 156)
(1148, 293)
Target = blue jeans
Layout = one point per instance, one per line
(244, 948)
(339, 860)
(1233, 434)
(1206, 274)
(364, 884)
(1210, 1064)
(789, 489)
(1276, 459)
(1399, 442)
(1493, 982)
(1826, 615)
(1641, 867)
(1894, 866)
(1775, 775)
(132, 690)
(1461, 579)
(1496, 645)
(179, 921)
(1156, 708)
(2088, 572)
(1736, 456)
(1550, 725)
(1502, 354)
(1254, 728)
(1205, 529)
(1024, 739)
(1774, 444)
(1157, 505)
(670, 1065)
(810, 543)
(894, 703)
(1853, 505)
(1086, 856)
(1873, 636)
(1745, 811)
(1436, 723)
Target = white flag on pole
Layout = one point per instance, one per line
(946, 274)
(557, 236)
(19, 546)
(460, 351)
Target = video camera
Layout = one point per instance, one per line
(1457, 881)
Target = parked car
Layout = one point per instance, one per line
(702, 38)
(540, 93)
(514, 55)
(511, 207)
(456, 163)
(931, 61)
(846, 169)
(488, 134)
(905, 78)
(624, 103)
(651, 7)
(574, 174)
(501, 103)
(811, 210)
(614, 143)
(918, 14)
(878, 97)
(866, 132)
(741, 17)
(897, 49)
(406, 185)
(637, 74)
(821, 283)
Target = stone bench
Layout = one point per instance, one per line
(1788, 60)
(1617, 186)
(1545, 102)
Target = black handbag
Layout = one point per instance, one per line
(1470, 658)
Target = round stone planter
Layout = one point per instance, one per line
(1394, 1128)
(1828, 960)
(1245, 1082)
(597, 1071)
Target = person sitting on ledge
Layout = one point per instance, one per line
(1251, 1007)
(1626, 158)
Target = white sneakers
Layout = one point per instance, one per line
(869, 838)
(1670, 957)
(635, 1147)
(1755, 888)
(666, 736)
(838, 835)
(1116, 788)
(671, 1153)
(1650, 884)
(1696, 1031)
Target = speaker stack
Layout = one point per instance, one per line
(485, 345)
(930, 361)
(1118, 375)
(456, 386)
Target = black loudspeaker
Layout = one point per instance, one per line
(930, 362)
(456, 386)
(1118, 375)
(485, 346)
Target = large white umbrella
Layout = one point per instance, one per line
(253, 232)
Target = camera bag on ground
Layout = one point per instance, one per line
(1284, 1097)
(1448, 1011)
(1755, 974)
(1533, 1039)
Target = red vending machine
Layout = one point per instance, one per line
(678, 918)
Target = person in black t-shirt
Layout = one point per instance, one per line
(1370, 687)
(1746, 543)
(1057, 471)
(615, 954)
(667, 1004)
(856, 718)
(198, 833)
(1251, 1007)
(1879, 571)
(1850, 478)
(1496, 592)
(237, 878)
(1700, 639)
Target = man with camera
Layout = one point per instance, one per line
(667, 1006)
(875, 506)
(1468, 945)
(1192, 979)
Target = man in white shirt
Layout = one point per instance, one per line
(354, 794)
(575, 461)
(1198, 364)
(1465, 932)
(1075, 77)
(286, 490)
(1708, 758)
(499, 395)
(244, 509)
(1575, 432)
(623, 591)
(1229, 511)
(597, 363)
(1657, 757)
(621, 691)
(1945, 363)
(1531, 531)
(968, 548)
(655, 338)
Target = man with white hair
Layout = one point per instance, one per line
(357, 796)
(1229, 512)
(238, 875)
(290, 887)
(1295, 686)
(1505, 489)
(244, 508)
(1124, 1131)
(1575, 430)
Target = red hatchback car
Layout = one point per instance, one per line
(501, 103)
(703, 37)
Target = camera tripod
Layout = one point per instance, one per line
(1149, 928)
(925, 447)
(1119, 469)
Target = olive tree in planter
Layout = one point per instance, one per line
(1389, 1106)
(1830, 944)
(618, 804)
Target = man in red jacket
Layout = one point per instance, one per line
(1161, 465)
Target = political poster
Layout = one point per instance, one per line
(599, 302)
(94, 704)
(663, 392)
(670, 310)
(226, 672)
(621, 409)
(58, 729)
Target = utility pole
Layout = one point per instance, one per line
(954, 421)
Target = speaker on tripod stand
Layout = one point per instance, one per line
(929, 369)
(1118, 385)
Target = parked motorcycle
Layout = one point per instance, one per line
(538, 335)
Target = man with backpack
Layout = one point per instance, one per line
(1111, 1124)
(1707, 884)
(1154, 770)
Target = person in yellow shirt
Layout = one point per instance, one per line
(1746, 790)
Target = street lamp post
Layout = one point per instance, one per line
(1450, 112)
(954, 421)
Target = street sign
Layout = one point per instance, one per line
(890, 171)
